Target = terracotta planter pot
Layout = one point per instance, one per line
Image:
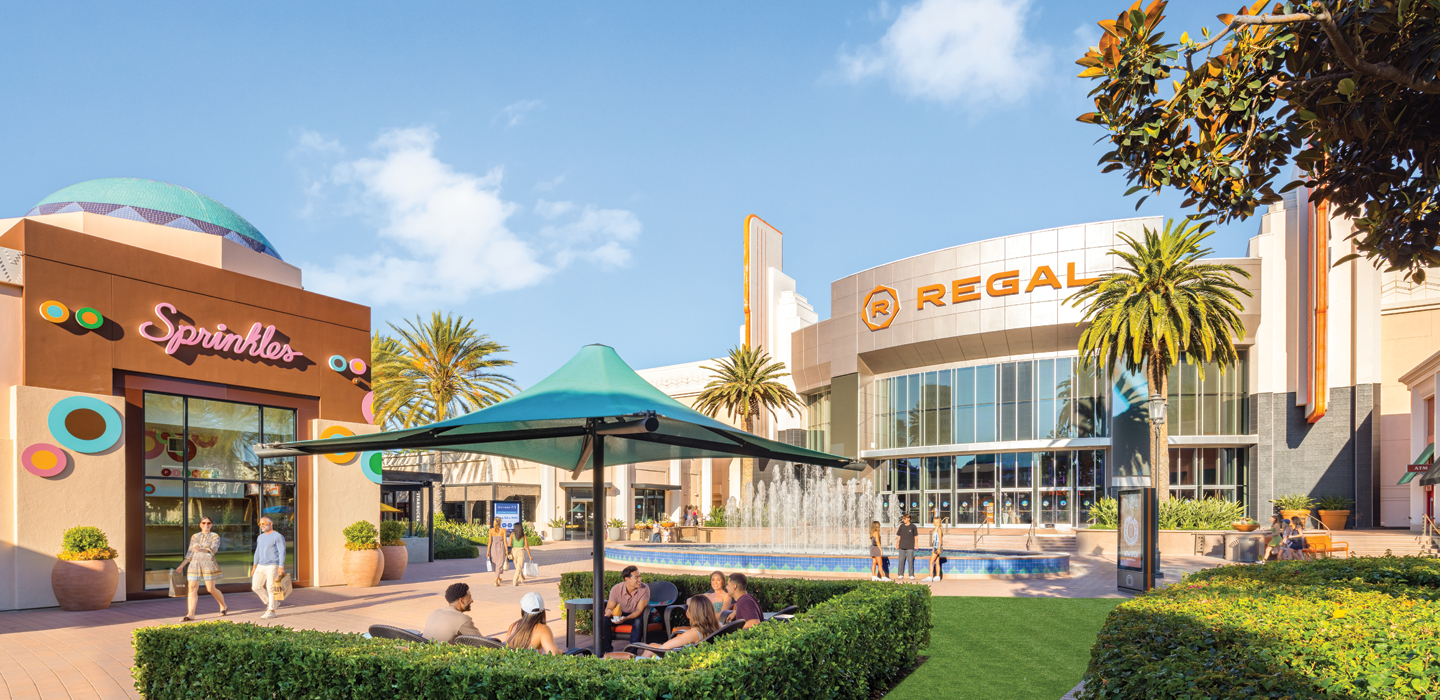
(1288, 514)
(396, 559)
(1334, 519)
(362, 568)
(84, 585)
(1245, 527)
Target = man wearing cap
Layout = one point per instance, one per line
(449, 622)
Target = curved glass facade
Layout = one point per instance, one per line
(1025, 400)
(1004, 488)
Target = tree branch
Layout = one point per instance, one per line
(1254, 20)
(1384, 71)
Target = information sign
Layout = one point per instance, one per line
(508, 512)
(1135, 550)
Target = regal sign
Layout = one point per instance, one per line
(259, 342)
(882, 305)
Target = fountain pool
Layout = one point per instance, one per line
(806, 521)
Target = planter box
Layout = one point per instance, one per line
(1183, 543)
(557, 534)
(417, 549)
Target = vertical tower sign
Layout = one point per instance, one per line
(1139, 528)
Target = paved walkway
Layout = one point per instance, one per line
(50, 653)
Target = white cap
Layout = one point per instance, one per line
(532, 603)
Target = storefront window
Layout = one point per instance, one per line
(1215, 405)
(1033, 399)
(199, 463)
(649, 504)
(1208, 472)
(1006, 488)
(817, 413)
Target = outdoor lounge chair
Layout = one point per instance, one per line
(389, 632)
(471, 640)
(658, 650)
(662, 597)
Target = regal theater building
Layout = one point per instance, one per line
(150, 337)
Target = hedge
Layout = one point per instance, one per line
(771, 593)
(1337, 628)
(459, 552)
(845, 648)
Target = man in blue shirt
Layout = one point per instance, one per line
(269, 564)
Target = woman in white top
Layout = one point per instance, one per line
(935, 540)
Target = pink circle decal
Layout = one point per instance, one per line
(44, 459)
(367, 407)
(357, 366)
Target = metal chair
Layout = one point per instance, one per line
(471, 640)
(662, 597)
(658, 650)
(389, 632)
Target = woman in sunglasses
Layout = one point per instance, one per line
(200, 565)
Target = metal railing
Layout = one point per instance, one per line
(1030, 542)
(1428, 532)
(980, 532)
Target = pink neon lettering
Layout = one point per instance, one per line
(257, 343)
(169, 328)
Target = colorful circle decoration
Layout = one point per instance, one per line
(206, 440)
(85, 424)
(338, 431)
(149, 488)
(154, 445)
(43, 459)
(367, 407)
(55, 312)
(357, 366)
(338, 363)
(190, 452)
(165, 472)
(372, 465)
(89, 318)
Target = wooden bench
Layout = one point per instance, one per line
(1322, 544)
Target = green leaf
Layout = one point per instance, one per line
(1346, 87)
(1307, 115)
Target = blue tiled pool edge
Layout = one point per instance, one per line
(953, 564)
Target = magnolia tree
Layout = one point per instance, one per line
(1346, 89)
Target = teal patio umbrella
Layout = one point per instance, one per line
(591, 412)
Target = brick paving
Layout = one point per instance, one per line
(51, 653)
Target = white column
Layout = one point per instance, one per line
(674, 499)
(624, 508)
(707, 484)
(737, 490)
(546, 509)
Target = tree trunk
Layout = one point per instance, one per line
(747, 464)
(1159, 436)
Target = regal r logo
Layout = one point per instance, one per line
(880, 307)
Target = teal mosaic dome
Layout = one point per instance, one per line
(157, 203)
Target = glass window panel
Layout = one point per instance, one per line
(1222, 494)
(965, 386)
(279, 426)
(1055, 506)
(1172, 399)
(985, 384)
(1015, 508)
(1007, 470)
(164, 526)
(929, 398)
(1210, 401)
(945, 421)
(1047, 469)
(1103, 386)
(941, 506)
(279, 506)
(1182, 470)
(1064, 469)
(1209, 457)
(912, 393)
(1007, 382)
(1024, 467)
(964, 424)
(221, 434)
(968, 510)
(165, 446)
(985, 471)
(1044, 379)
(985, 423)
(965, 472)
(946, 400)
(1228, 459)
(1085, 469)
(1189, 400)
(1086, 498)
(234, 509)
(1007, 421)
(1045, 419)
(1024, 381)
(1025, 420)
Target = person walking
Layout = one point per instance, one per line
(1277, 537)
(1295, 540)
(268, 565)
(877, 563)
(200, 565)
(495, 550)
(520, 552)
(936, 539)
(905, 541)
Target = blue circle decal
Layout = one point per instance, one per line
(85, 424)
(372, 466)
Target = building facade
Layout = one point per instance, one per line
(151, 336)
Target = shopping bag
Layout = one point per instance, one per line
(489, 565)
(280, 588)
(179, 587)
(531, 569)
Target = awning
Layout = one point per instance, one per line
(1430, 478)
(584, 485)
(1409, 476)
(1426, 457)
(662, 487)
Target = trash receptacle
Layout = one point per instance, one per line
(1244, 546)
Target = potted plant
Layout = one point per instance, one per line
(1293, 505)
(612, 529)
(1334, 511)
(392, 550)
(1246, 524)
(85, 575)
(557, 529)
(363, 563)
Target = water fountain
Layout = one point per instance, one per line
(807, 520)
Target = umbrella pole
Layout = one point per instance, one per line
(597, 545)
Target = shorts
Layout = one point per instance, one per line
(875, 551)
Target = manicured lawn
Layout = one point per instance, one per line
(1003, 648)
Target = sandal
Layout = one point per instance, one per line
(224, 612)
(187, 618)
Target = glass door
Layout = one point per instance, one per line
(1056, 501)
(579, 514)
(1017, 490)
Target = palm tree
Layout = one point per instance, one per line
(1165, 305)
(434, 370)
(743, 385)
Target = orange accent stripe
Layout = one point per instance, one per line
(747, 269)
(1320, 290)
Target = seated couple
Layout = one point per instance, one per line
(629, 600)
(529, 632)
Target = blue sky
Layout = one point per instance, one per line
(568, 173)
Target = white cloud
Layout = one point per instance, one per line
(551, 210)
(443, 233)
(548, 185)
(968, 51)
(515, 113)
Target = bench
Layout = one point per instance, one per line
(1322, 544)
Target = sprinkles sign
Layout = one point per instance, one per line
(259, 342)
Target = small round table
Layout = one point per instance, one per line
(571, 606)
